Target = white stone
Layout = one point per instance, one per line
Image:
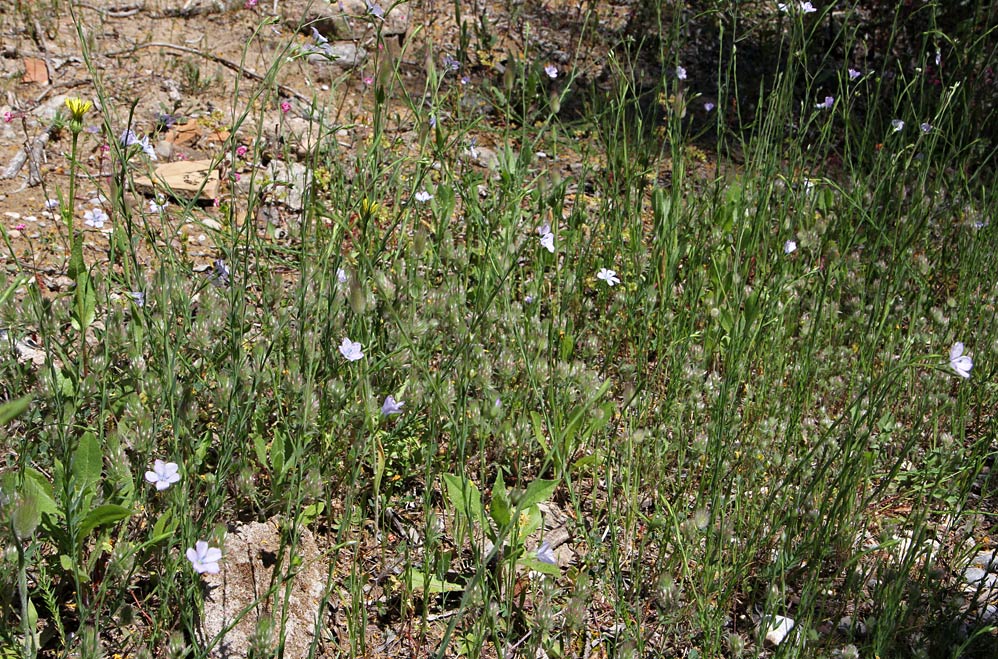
(777, 628)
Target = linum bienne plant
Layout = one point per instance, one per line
(540, 364)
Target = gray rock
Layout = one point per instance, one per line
(344, 54)
(351, 19)
(290, 182)
(986, 560)
(240, 599)
(973, 575)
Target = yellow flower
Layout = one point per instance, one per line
(78, 107)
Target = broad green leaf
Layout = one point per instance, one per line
(463, 495)
(14, 408)
(310, 513)
(105, 515)
(36, 483)
(539, 490)
(260, 448)
(499, 506)
(27, 515)
(88, 462)
(431, 585)
(531, 562)
(84, 302)
(164, 527)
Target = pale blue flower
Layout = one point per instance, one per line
(163, 474)
(708, 106)
(681, 73)
(422, 196)
(391, 406)
(926, 127)
(960, 362)
(129, 138)
(204, 558)
(547, 242)
(139, 298)
(341, 275)
(352, 350)
(789, 247)
(95, 218)
(853, 74)
(897, 125)
(609, 276)
(551, 70)
(546, 555)
(827, 103)
(807, 8)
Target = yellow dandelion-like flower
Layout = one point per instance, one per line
(78, 107)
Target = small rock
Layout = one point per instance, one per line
(290, 183)
(345, 54)
(12, 215)
(165, 150)
(350, 19)
(973, 575)
(986, 560)
(777, 628)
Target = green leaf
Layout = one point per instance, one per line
(500, 508)
(105, 515)
(14, 408)
(88, 462)
(537, 491)
(36, 484)
(538, 424)
(431, 585)
(463, 495)
(84, 302)
(531, 562)
(27, 515)
(164, 527)
(310, 513)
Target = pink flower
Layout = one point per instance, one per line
(20, 227)
(285, 107)
(241, 150)
(8, 117)
(368, 80)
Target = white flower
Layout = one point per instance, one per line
(204, 558)
(551, 70)
(391, 406)
(352, 350)
(546, 555)
(422, 196)
(128, 138)
(95, 218)
(897, 125)
(782, 6)
(547, 242)
(51, 204)
(609, 276)
(163, 474)
(157, 205)
(681, 73)
(960, 362)
(807, 8)
(789, 247)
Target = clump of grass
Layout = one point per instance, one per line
(735, 391)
